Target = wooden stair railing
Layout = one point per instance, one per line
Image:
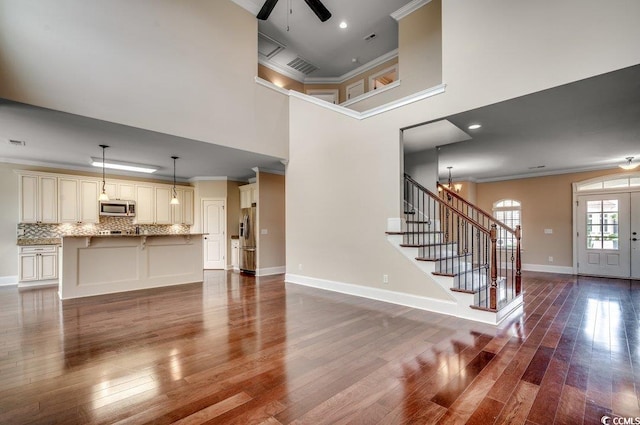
(511, 237)
(466, 243)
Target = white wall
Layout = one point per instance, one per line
(184, 67)
(344, 175)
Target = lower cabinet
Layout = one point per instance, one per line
(38, 262)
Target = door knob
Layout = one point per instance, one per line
(634, 239)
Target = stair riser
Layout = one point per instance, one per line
(423, 238)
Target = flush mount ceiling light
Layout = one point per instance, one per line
(174, 199)
(628, 165)
(103, 195)
(125, 166)
(474, 126)
(343, 25)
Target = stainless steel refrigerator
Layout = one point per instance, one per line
(248, 240)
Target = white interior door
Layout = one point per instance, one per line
(604, 236)
(354, 90)
(214, 224)
(635, 235)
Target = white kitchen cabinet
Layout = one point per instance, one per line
(68, 200)
(248, 195)
(163, 205)
(38, 199)
(183, 213)
(88, 201)
(144, 204)
(126, 191)
(78, 200)
(38, 262)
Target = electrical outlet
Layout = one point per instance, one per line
(264, 231)
(550, 259)
(385, 278)
(548, 231)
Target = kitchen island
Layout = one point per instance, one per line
(106, 264)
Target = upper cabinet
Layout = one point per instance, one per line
(78, 200)
(248, 195)
(38, 199)
(59, 198)
(183, 212)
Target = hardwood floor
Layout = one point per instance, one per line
(240, 350)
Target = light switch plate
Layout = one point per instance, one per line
(548, 231)
(264, 231)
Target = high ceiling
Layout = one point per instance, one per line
(588, 124)
(324, 44)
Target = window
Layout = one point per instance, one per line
(508, 212)
(602, 224)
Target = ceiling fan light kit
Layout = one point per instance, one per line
(315, 5)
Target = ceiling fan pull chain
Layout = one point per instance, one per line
(290, 12)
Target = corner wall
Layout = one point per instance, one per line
(271, 223)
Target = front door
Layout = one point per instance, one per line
(213, 224)
(635, 235)
(604, 235)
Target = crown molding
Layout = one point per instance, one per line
(207, 178)
(409, 9)
(545, 173)
(361, 69)
(248, 5)
(268, 170)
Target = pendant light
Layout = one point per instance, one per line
(103, 195)
(174, 199)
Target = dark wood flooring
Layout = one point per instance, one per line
(242, 350)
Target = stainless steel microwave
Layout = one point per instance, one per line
(118, 208)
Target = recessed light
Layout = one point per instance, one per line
(343, 25)
(474, 126)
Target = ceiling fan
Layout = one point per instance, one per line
(316, 6)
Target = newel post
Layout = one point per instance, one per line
(518, 261)
(493, 291)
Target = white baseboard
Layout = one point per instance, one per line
(400, 298)
(547, 268)
(271, 271)
(38, 284)
(8, 280)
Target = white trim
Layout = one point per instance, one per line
(248, 5)
(8, 280)
(268, 170)
(38, 284)
(409, 300)
(407, 9)
(269, 271)
(421, 95)
(351, 74)
(334, 92)
(541, 174)
(371, 93)
(547, 269)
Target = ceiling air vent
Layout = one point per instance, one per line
(302, 65)
(269, 47)
(370, 37)
(16, 143)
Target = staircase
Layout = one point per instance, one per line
(464, 249)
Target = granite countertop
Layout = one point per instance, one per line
(38, 241)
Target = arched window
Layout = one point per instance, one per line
(509, 212)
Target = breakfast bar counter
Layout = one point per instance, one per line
(106, 264)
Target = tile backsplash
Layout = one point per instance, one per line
(123, 224)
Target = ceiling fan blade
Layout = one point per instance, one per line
(319, 9)
(267, 7)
